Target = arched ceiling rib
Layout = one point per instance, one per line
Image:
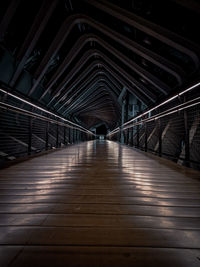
(111, 50)
(81, 56)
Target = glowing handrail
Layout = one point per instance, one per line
(44, 110)
(148, 111)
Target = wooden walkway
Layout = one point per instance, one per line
(98, 204)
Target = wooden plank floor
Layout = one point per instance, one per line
(98, 204)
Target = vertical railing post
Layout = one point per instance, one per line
(127, 136)
(69, 135)
(64, 136)
(76, 135)
(187, 139)
(122, 122)
(118, 137)
(126, 116)
(57, 135)
(138, 136)
(30, 135)
(131, 136)
(80, 136)
(145, 140)
(47, 136)
(160, 138)
(73, 136)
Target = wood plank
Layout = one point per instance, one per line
(98, 202)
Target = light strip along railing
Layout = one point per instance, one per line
(160, 115)
(152, 109)
(46, 111)
(166, 113)
(37, 116)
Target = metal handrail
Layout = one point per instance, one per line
(76, 126)
(154, 108)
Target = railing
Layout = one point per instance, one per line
(26, 128)
(170, 129)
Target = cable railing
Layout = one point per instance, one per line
(26, 128)
(170, 129)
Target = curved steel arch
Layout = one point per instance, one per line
(117, 77)
(135, 47)
(170, 38)
(95, 75)
(139, 96)
(83, 76)
(105, 83)
(92, 82)
(135, 67)
(95, 105)
(90, 79)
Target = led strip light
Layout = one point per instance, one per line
(161, 104)
(163, 115)
(44, 110)
(158, 116)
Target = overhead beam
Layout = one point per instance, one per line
(125, 60)
(135, 47)
(170, 38)
(117, 77)
(35, 32)
(80, 80)
(96, 75)
(8, 16)
(104, 83)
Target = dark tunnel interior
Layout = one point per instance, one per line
(80, 64)
(99, 133)
(101, 130)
